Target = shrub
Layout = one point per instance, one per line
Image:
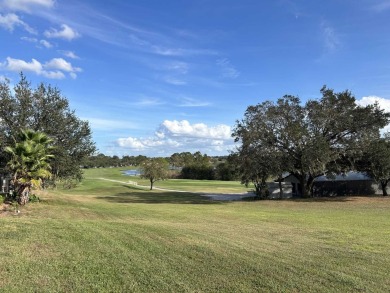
(34, 198)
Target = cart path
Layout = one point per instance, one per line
(214, 196)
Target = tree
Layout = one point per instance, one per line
(256, 164)
(376, 161)
(29, 162)
(154, 169)
(44, 109)
(226, 171)
(315, 139)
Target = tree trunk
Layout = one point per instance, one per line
(280, 187)
(384, 188)
(151, 183)
(309, 186)
(24, 195)
(302, 181)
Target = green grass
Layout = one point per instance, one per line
(111, 237)
(212, 186)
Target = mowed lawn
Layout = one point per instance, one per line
(111, 237)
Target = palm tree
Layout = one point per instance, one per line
(29, 162)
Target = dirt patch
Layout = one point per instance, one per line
(5, 210)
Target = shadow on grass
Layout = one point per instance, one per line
(328, 199)
(136, 195)
(312, 199)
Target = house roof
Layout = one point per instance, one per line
(349, 176)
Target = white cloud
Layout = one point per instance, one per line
(174, 81)
(66, 33)
(26, 5)
(179, 136)
(46, 44)
(166, 51)
(21, 65)
(178, 67)
(147, 102)
(39, 43)
(69, 54)
(28, 39)
(11, 20)
(53, 74)
(227, 69)
(61, 64)
(190, 102)
(330, 37)
(199, 130)
(382, 102)
(131, 143)
(53, 69)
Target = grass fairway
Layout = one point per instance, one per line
(111, 237)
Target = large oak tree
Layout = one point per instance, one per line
(317, 138)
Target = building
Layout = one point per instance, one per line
(351, 183)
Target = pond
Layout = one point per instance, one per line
(131, 172)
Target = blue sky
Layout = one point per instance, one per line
(159, 77)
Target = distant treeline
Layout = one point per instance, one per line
(184, 165)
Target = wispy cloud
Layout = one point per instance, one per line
(174, 81)
(69, 54)
(108, 124)
(46, 44)
(30, 40)
(10, 21)
(127, 35)
(26, 5)
(227, 69)
(170, 51)
(178, 67)
(381, 6)
(147, 102)
(66, 33)
(330, 37)
(39, 43)
(190, 102)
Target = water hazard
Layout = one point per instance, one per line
(132, 172)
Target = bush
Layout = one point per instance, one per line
(198, 172)
(34, 198)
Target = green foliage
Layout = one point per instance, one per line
(226, 171)
(322, 137)
(33, 198)
(375, 161)
(29, 162)
(44, 109)
(186, 159)
(154, 169)
(197, 172)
